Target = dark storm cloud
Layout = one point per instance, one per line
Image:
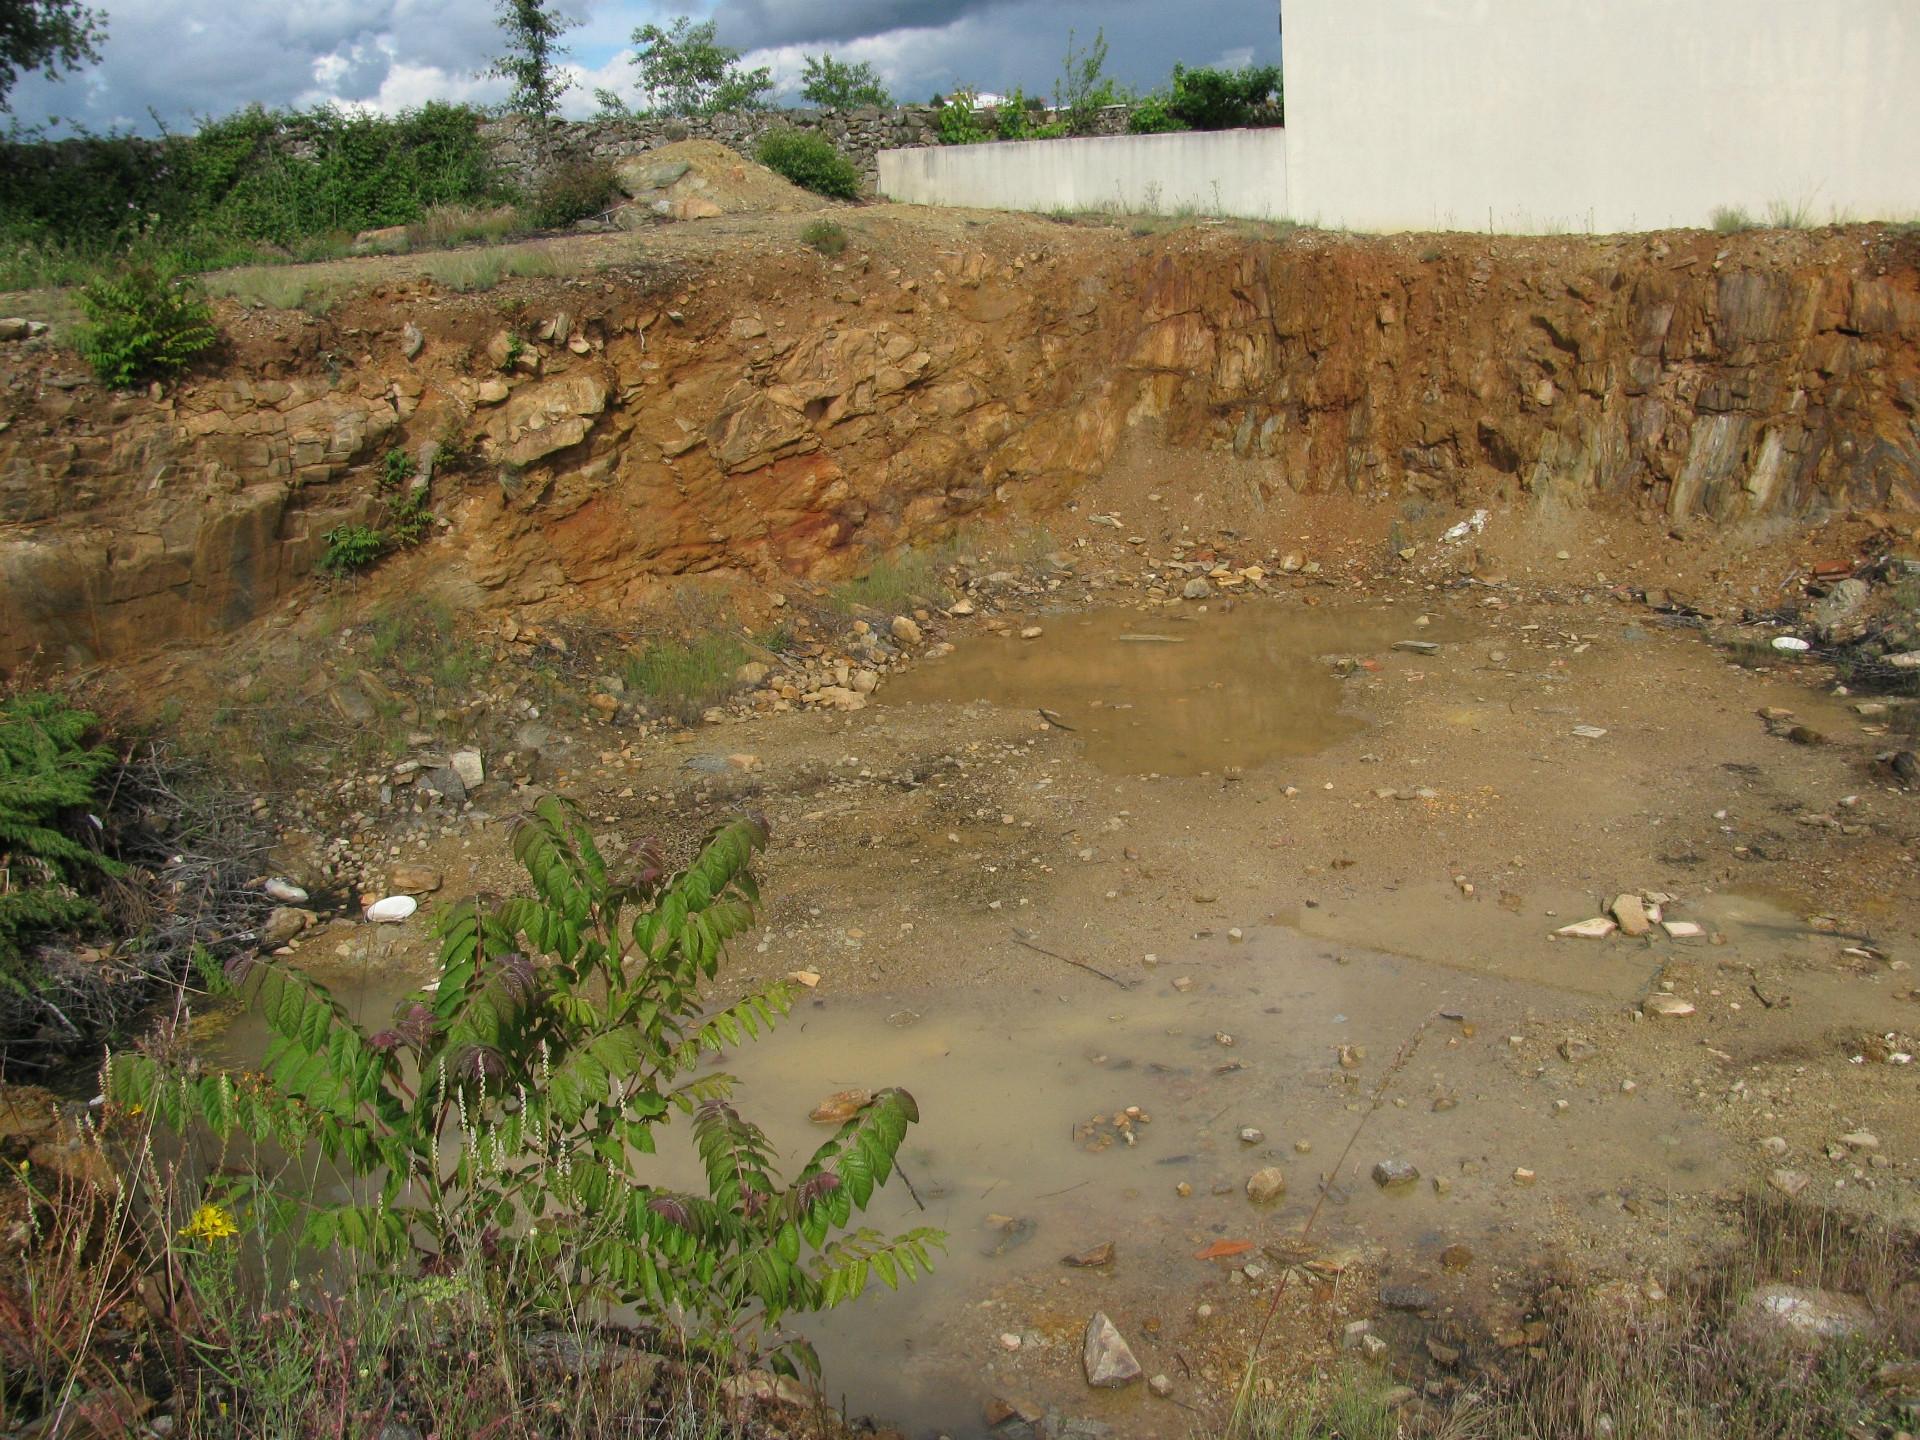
(767, 23)
(185, 58)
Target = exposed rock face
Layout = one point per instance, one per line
(784, 416)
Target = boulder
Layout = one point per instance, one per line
(1803, 1316)
(639, 175)
(387, 240)
(283, 924)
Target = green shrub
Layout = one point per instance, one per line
(48, 774)
(511, 1108)
(824, 236)
(1731, 219)
(351, 549)
(1153, 115)
(957, 121)
(1017, 119)
(1209, 99)
(143, 322)
(302, 182)
(573, 190)
(809, 161)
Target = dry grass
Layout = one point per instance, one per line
(278, 287)
(1682, 1369)
(445, 226)
(473, 270)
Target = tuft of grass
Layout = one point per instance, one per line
(1790, 215)
(276, 287)
(445, 226)
(1781, 215)
(685, 677)
(468, 271)
(825, 236)
(423, 638)
(894, 584)
(1349, 1404)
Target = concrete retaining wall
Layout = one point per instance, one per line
(1540, 115)
(1226, 172)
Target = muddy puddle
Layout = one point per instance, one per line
(1018, 1156)
(1176, 692)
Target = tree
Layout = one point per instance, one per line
(55, 37)
(1209, 99)
(835, 85)
(686, 71)
(532, 60)
(1085, 88)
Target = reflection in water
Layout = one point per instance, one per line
(1174, 693)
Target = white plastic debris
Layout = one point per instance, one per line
(392, 910)
(285, 891)
(1472, 525)
(1792, 644)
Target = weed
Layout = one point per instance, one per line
(48, 771)
(351, 549)
(573, 190)
(421, 638)
(142, 322)
(454, 451)
(475, 270)
(1687, 1367)
(408, 518)
(894, 584)
(274, 287)
(558, 1038)
(686, 677)
(825, 236)
(809, 161)
(445, 226)
(1347, 1405)
(396, 469)
(1790, 215)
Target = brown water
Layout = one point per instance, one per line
(1174, 692)
(1008, 1083)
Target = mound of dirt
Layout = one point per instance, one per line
(699, 179)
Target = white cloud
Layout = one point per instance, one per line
(185, 58)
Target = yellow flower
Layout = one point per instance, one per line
(210, 1222)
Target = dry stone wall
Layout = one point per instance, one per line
(861, 135)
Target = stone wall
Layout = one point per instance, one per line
(859, 134)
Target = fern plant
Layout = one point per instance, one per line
(508, 1111)
(48, 772)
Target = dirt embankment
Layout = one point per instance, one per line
(724, 398)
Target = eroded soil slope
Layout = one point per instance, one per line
(726, 399)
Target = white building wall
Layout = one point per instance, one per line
(1227, 172)
(1599, 115)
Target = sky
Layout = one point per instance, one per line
(167, 62)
